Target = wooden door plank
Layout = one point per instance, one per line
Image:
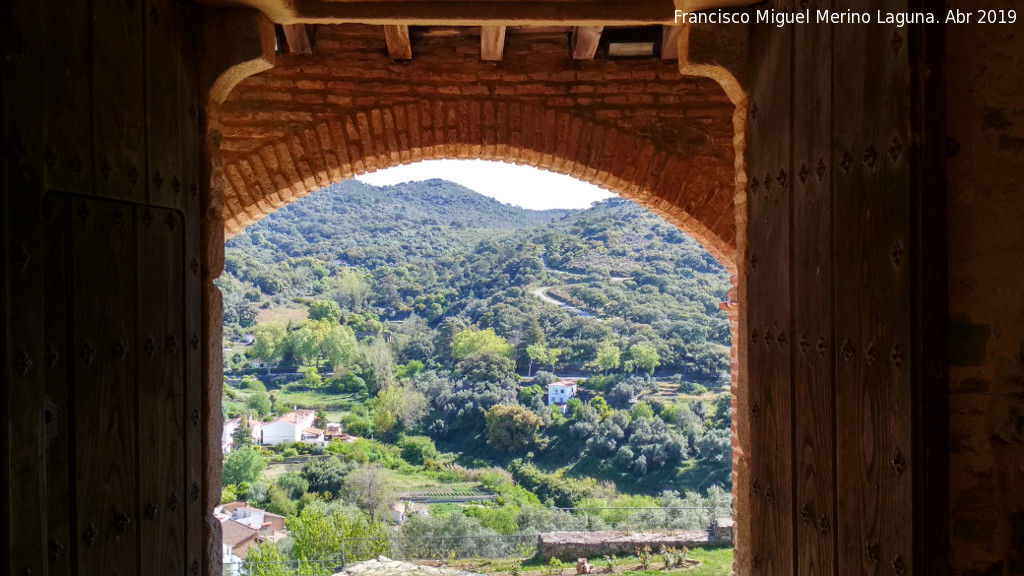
(397, 38)
(771, 337)
(161, 342)
(68, 156)
(105, 416)
(813, 381)
(201, 440)
(585, 40)
(492, 42)
(872, 306)
(162, 39)
(21, 378)
(57, 404)
(118, 98)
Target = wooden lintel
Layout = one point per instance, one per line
(297, 36)
(585, 40)
(670, 42)
(492, 42)
(397, 37)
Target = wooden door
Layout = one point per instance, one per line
(846, 378)
(100, 213)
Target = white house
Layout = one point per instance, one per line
(227, 438)
(559, 393)
(295, 426)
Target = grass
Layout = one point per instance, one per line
(338, 403)
(293, 312)
(713, 562)
(276, 470)
(418, 482)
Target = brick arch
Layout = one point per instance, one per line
(694, 197)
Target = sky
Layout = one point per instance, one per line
(523, 186)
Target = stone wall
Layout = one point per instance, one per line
(638, 128)
(985, 72)
(573, 545)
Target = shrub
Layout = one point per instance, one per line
(512, 429)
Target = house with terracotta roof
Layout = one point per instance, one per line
(559, 393)
(295, 426)
(236, 539)
(243, 526)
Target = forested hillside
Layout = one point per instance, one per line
(434, 253)
(483, 304)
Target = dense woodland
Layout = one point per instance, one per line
(484, 304)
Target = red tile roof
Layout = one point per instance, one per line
(235, 533)
(295, 416)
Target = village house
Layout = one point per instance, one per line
(295, 426)
(243, 526)
(227, 438)
(559, 393)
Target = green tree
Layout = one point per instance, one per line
(537, 352)
(641, 411)
(260, 402)
(512, 429)
(378, 365)
(644, 357)
(542, 355)
(325, 310)
(324, 474)
(269, 342)
(474, 340)
(293, 483)
(264, 559)
(318, 531)
(242, 436)
(318, 340)
(601, 405)
(608, 357)
(278, 501)
(385, 410)
(243, 465)
(320, 419)
(228, 494)
(371, 490)
(417, 449)
(351, 289)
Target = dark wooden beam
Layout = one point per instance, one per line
(397, 37)
(585, 40)
(297, 36)
(492, 42)
(670, 42)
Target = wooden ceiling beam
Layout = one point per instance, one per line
(297, 36)
(670, 42)
(492, 42)
(397, 37)
(585, 40)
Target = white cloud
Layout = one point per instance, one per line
(509, 183)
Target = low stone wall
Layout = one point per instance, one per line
(573, 545)
(384, 566)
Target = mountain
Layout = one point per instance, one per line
(358, 217)
(480, 296)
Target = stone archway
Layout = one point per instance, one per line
(302, 161)
(640, 129)
(671, 142)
